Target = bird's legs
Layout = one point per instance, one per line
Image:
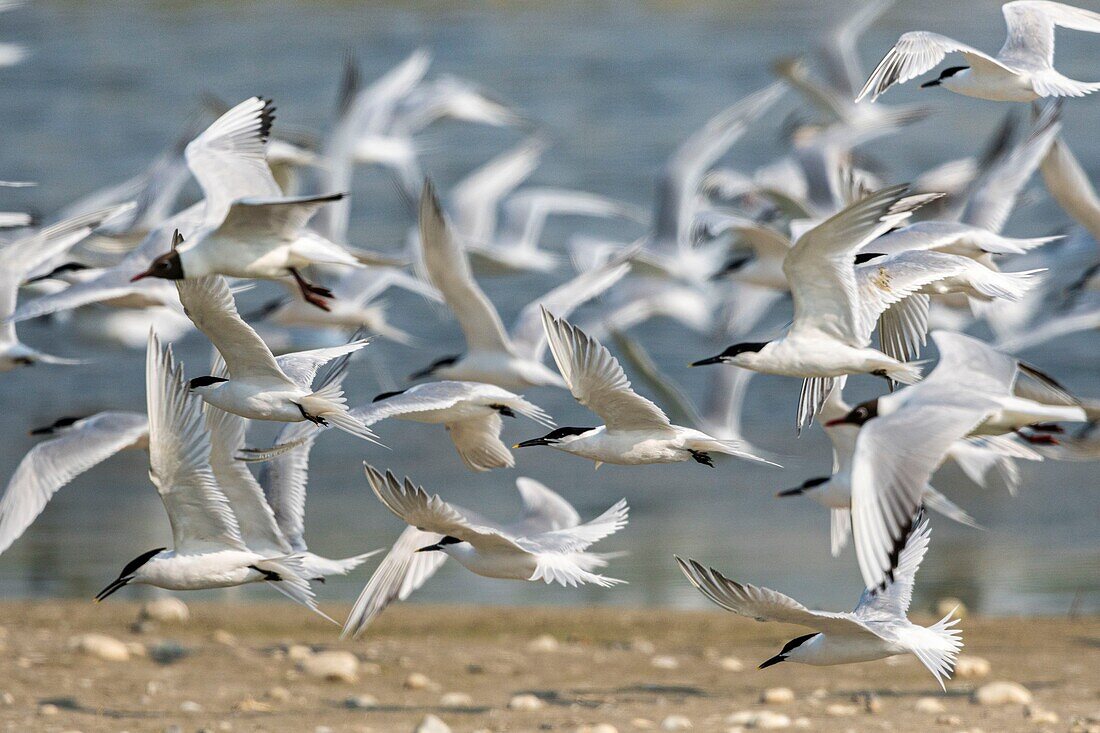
(701, 457)
(312, 294)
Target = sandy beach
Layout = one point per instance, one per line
(255, 668)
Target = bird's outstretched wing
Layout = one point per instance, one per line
(915, 53)
(892, 602)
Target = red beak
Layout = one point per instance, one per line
(139, 276)
(833, 423)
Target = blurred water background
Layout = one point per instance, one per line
(617, 85)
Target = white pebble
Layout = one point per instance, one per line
(361, 702)
(278, 694)
(970, 667)
(644, 646)
(676, 722)
(418, 681)
(168, 609)
(665, 662)
(526, 702)
(223, 637)
(929, 705)
(731, 664)
(456, 700)
(298, 652)
(101, 646)
(1001, 693)
(642, 724)
(334, 666)
(759, 720)
(598, 728)
(839, 710)
(48, 709)
(252, 705)
(777, 696)
(1040, 716)
(190, 706)
(544, 643)
(432, 724)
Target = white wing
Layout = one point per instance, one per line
(302, 366)
(228, 159)
(254, 516)
(402, 571)
(431, 514)
(1030, 41)
(475, 199)
(972, 365)
(526, 212)
(895, 458)
(571, 540)
(179, 460)
(53, 463)
(284, 481)
(528, 334)
(597, 381)
(917, 52)
(449, 271)
(209, 303)
(885, 281)
(1069, 185)
(764, 604)
(543, 509)
(442, 395)
(820, 266)
(271, 219)
(478, 443)
(893, 601)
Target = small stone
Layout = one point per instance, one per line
(526, 702)
(544, 643)
(840, 710)
(456, 700)
(361, 702)
(676, 722)
(252, 705)
(871, 702)
(929, 706)
(334, 666)
(298, 652)
(731, 664)
(7, 699)
(665, 662)
(100, 646)
(777, 696)
(167, 652)
(949, 720)
(417, 681)
(642, 724)
(168, 610)
(1001, 693)
(970, 667)
(643, 646)
(598, 728)
(190, 706)
(802, 722)
(946, 605)
(223, 637)
(323, 729)
(1040, 716)
(432, 724)
(278, 694)
(48, 709)
(769, 720)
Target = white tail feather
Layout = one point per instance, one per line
(329, 404)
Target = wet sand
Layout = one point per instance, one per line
(233, 668)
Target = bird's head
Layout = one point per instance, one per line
(807, 485)
(168, 266)
(435, 366)
(947, 73)
(131, 573)
(442, 545)
(56, 426)
(742, 354)
(206, 384)
(858, 415)
(789, 649)
(555, 437)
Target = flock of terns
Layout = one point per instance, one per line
(817, 229)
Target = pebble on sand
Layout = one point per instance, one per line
(432, 724)
(970, 667)
(525, 702)
(840, 710)
(190, 706)
(760, 720)
(1001, 693)
(298, 652)
(361, 702)
(418, 681)
(945, 605)
(1039, 716)
(48, 709)
(676, 722)
(777, 696)
(223, 637)
(252, 705)
(334, 666)
(544, 643)
(665, 662)
(100, 646)
(169, 610)
(731, 664)
(278, 694)
(598, 728)
(456, 700)
(929, 706)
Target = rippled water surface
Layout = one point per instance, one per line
(617, 85)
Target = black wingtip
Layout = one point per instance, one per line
(267, 117)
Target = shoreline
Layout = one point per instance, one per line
(250, 667)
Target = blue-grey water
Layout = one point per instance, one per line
(617, 85)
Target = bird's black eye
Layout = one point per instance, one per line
(861, 412)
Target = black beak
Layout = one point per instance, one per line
(48, 430)
(431, 548)
(532, 442)
(774, 660)
(933, 83)
(708, 360)
(114, 585)
(797, 491)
